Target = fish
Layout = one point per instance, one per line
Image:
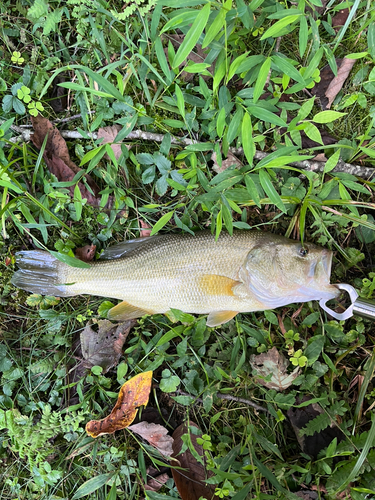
(240, 273)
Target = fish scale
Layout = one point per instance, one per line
(249, 271)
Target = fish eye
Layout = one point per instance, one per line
(303, 251)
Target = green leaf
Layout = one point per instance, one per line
(332, 161)
(328, 116)
(247, 139)
(78, 202)
(313, 133)
(314, 348)
(220, 122)
(71, 261)
(161, 223)
(217, 24)
(160, 55)
(271, 192)
(92, 485)
(266, 116)
(252, 190)
(236, 64)
(180, 100)
(234, 125)
(303, 36)
(192, 36)
(288, 69)
(262, 78)
(276, 29)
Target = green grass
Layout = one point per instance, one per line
(120, 66)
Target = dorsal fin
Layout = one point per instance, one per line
(123, 248)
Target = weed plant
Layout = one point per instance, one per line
(248, 89)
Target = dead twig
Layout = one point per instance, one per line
(310, 165)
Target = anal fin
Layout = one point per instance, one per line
(124, 311)
(216, 318)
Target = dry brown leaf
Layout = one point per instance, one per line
(299, 417)
(104, 347)
(273, 364)
(56, 156)
(336, 84)
(155, 483)
(86, 253)
(226, 163)
(340, 18)
(190, 482)
(108, 134)
(146, 229)
(156, 435)
(134, 393)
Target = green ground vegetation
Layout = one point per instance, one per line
(250, 84)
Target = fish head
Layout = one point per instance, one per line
(278, 271)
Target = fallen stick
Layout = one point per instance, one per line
(310, 165)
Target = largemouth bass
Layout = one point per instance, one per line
(249, 271)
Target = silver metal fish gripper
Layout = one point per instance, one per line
(359, 306)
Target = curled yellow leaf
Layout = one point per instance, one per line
(134, 393)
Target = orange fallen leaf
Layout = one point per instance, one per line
(134, 393)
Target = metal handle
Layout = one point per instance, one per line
(364, 308)
(360, 307)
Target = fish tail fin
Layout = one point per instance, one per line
(40, 272)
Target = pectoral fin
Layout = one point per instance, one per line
(213, 284)
(216, 318)
(124, 311)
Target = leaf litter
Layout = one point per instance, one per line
(57, 158)
(108, 134)
(156, 435)
(104, 347)
(133, 394)
(190, 482)
(272, 367)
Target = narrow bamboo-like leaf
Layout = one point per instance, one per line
(288, 69)
(162, 59)
(78, 202)
(227, 218)
(92, 485)
(220, 122)
(303, 36)
(273, 195)
(219, 225)
(234, 125)
(71, 261)
(103, 82)
(247, 139)
(180, 100)
(314, 63)
(217, 24)
(262, 78)
(252, 190)
(161, 223)
(192, 36)
(332, 161)
(76, 86)
(236, 64)
(327, 116)
(266, 116)
(277, 28)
